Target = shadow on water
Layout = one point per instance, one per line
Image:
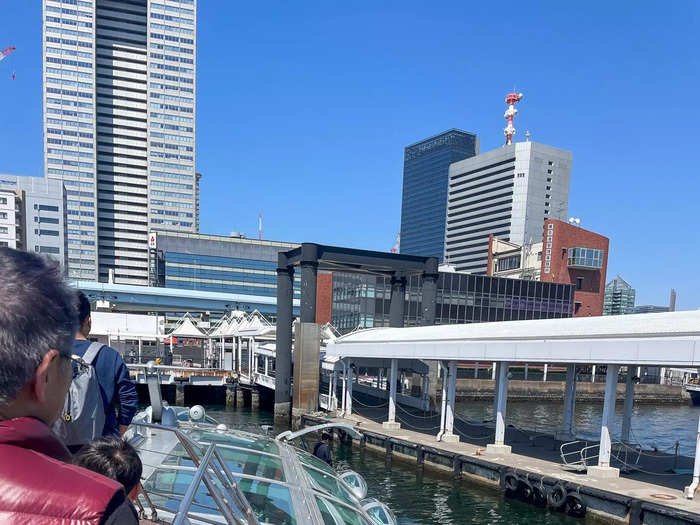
(418, 495)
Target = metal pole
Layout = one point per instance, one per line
(593, 374)
(476, 370)
(283, 340)
(392, 391)
(569, 425)
(608, 415)
(348, 392)
(140, 348)
(493, 371)
(544, 375)
(690, 489)
(526, 371)
(450, 412)
(443, 404)
(629, 405)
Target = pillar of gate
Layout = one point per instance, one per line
(283, 341)
(603, 469)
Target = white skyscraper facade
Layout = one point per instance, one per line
(507, 193)
(119, 127)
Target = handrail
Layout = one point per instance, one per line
(188, 498)
(235, 495)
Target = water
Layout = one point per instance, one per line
(417, 495)
(657, 426)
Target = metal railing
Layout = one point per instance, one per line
(229, 499)
(582, 457)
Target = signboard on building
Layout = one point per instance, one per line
(152, 241)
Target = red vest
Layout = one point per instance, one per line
(38, 486)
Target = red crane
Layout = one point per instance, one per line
(4, 54)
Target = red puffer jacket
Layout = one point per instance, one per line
(37, 486)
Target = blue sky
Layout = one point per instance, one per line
(304, 109)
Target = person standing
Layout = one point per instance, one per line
(38, 321)
(118, 392)
(322, 450)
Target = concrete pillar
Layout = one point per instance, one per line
(380, 370)
(526, 371)
(429, 281)
(255, 398)
(449, 435)
(629, 405)
(499, 446)
(476, 370)
(603, 469)
(309, 271)
(140, 348)
(425, 392)
(267, 364)
(662, 376)
(348, 390)
(593, 374)
(443, 398)
(240, 402)
(180, 394)
(569, 425)
(493, 371)
(544, 373)
(398, 298)
(283, 341)
(391, 423)
(230, 395)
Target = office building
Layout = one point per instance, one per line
(215, 263)
(565, 254)
(119, 127)
(619, 297)
(362, 301)
(649, 309)
(425, 176)
(507, 193)
(32, 215)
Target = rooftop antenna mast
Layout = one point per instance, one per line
(260, 226)
(511, 99)
(397, 244)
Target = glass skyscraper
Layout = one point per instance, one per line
(619, 297)
(119, 127)
(425, 179)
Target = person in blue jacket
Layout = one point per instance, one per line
(118, 391)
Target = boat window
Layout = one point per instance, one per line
(252, 464)
(271, 503)
(336, 514)
(330, 485)
(242, 440)
(313, 461)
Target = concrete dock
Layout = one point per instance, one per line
(636, 498)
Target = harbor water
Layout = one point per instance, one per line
(418, 495)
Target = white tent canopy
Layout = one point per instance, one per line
(187, 328)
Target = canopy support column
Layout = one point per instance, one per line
(348, 390)
(629, 405)
(449, 435)
(476, 370)
(603, 469)
(391, 424)
(569, 424)
(593, 374)
(140, 348)
(544, 373)
(499, 446)
(283, 341)
(526, 371)
(690, 489)
(443, 399)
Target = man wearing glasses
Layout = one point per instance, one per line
(38, 321)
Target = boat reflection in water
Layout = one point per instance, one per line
(196, 471)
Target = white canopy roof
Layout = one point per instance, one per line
(669, 338)
(187, 328)
(221, 328)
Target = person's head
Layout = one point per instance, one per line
(325, 436)
(38, 320)
(84, 318)
(113, 458)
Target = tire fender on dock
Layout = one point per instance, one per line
(557, 496)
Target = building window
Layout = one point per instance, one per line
(548, 188)
(577, 307)
(549, 179)
(3, 215)
(547, 196)
(3, 200)
(4, 243)
(49, 249)
(3, 229)
(539, 254)
(550, 163)
(51, 233)
(44, 207)
(585, 258)
(508, 263)
(579, 283)
(549, 172)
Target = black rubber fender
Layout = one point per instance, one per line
(511, 483)
(524, 489)
(574, 505)
(557, 496)
(539, 495)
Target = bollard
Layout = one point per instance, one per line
(388, 448)
(420, 455)
(456, 467)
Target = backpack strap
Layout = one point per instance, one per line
(91, 352)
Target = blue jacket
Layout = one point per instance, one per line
(118, 392)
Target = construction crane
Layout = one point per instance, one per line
(397, 244)
(4, 53)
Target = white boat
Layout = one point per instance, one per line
(196, 471)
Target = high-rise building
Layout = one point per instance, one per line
(565, 254)
(619, 297)
(119, 127)
(425, 175)
(507, 193)
(32, 215)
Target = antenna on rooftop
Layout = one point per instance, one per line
(511, 99)
(260, 226)
(527, 135)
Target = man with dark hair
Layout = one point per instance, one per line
(38, 320)
(115, 458)
(118, 391)
(322, 450)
